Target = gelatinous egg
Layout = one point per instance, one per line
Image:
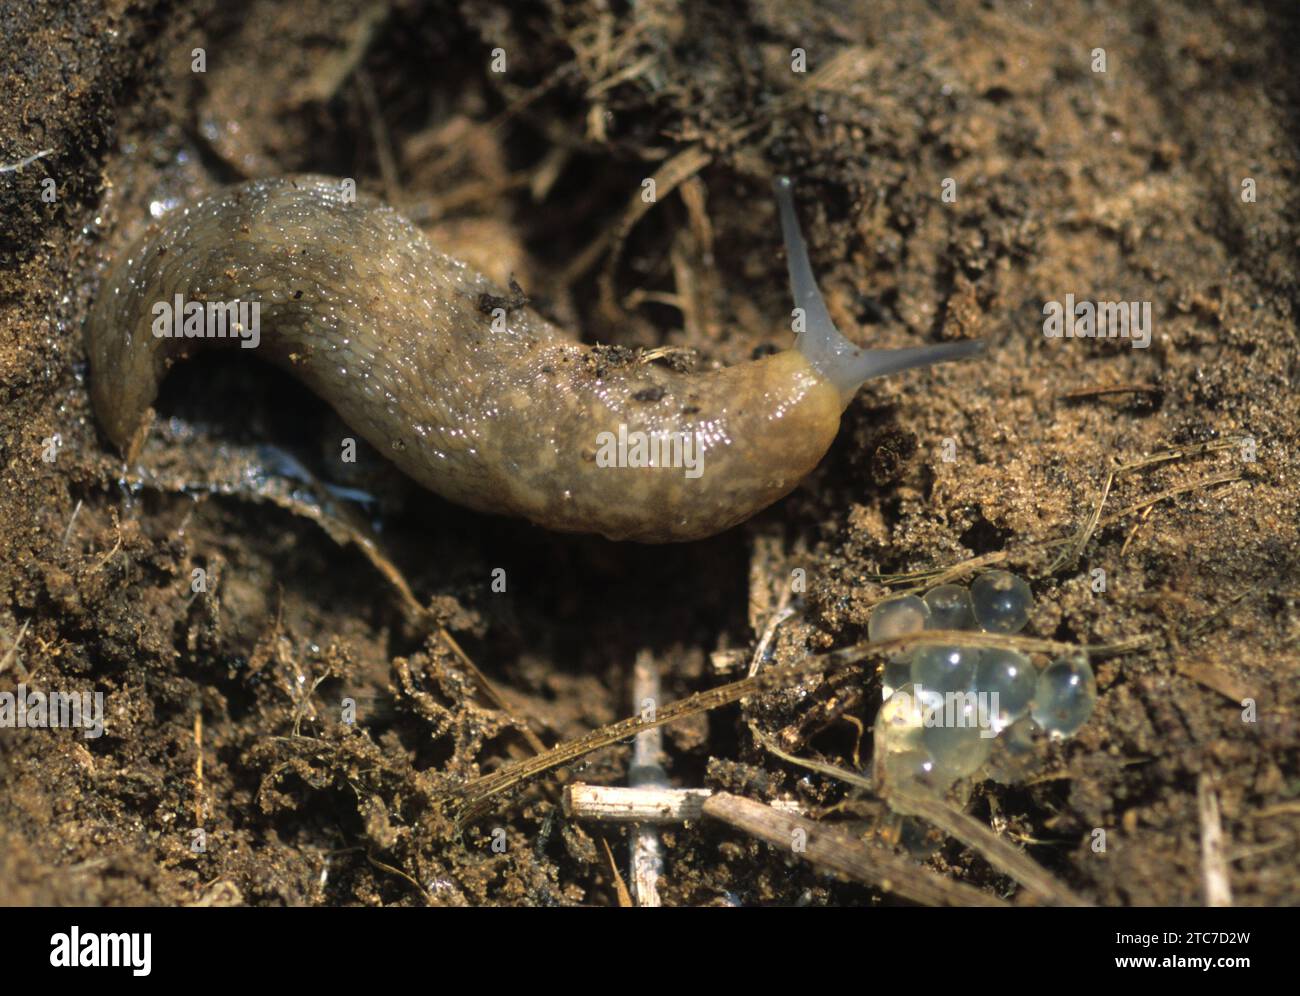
(950, 608)
(944, 669)
(896, 617)
(1064, 696)
(956, 733)
(897, 673)
(1001, 602)
(898, 756)
(899, 720)
(1010, 676)
(915, 768)
(958, 750)
(952, 712)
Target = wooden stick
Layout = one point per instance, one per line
(618, 804)
(1214, 861)
(997, 852)
(199, 799)
(836, 851)
(647, 772)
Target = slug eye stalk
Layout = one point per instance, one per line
(843, 364)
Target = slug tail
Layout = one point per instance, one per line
(125, 374)
(837, 359)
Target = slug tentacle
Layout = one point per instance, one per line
(845, 365)
(496, 409)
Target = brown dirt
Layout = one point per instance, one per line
(1116, 185)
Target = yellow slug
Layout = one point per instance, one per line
(492, 407)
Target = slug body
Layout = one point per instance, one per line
(496, 409)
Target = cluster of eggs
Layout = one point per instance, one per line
(952, 710)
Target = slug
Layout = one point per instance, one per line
(490, 406)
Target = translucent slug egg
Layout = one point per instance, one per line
(889, 620)
(1001, 602)
(902, 754)
(897, 754)
(1064, 696)
(897, 673)
(908, 767)
(955, 738)
(953, 712)
(898, 723)
(1010, 676)
(944, 669)
(897, 617)
(950, 608)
